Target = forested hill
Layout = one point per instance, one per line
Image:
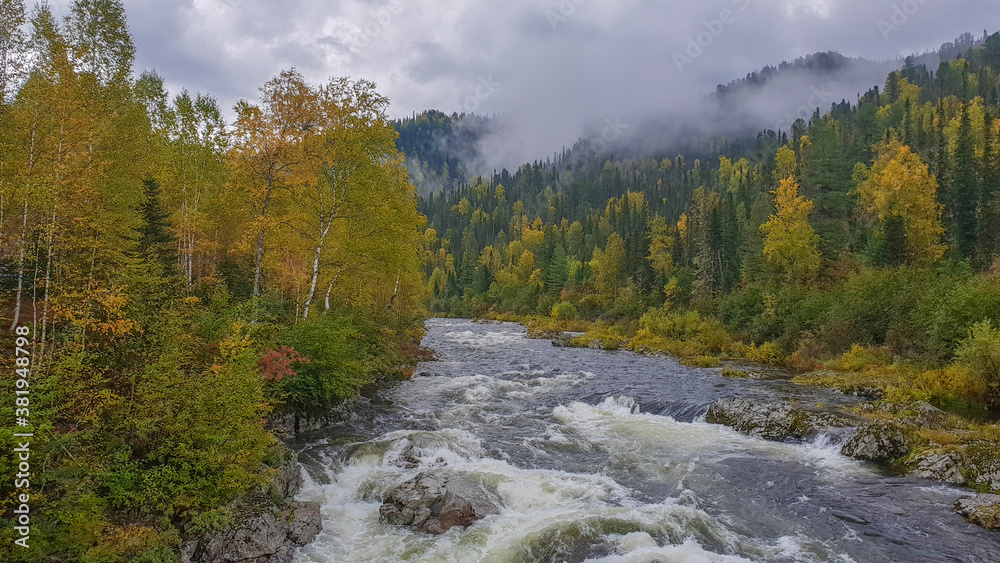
(445, 151)
(906, 176)
(439, 148)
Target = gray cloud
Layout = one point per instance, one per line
(558, 64)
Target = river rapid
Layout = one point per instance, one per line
(605, 456)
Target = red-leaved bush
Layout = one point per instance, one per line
(278, 364)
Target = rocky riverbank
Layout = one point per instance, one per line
(918, 439)
(268, 524)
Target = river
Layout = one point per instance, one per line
(605, 456)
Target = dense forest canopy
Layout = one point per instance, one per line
(186, 282)
(904, 182)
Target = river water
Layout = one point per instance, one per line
(605, 456)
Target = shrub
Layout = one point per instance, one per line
(344, 353)
(564, 311)
(610, 337)
(733, 373)
(702, 362)
(947, 311)
(768, 353)
(682, 334)
(981, 353)
(861, 358)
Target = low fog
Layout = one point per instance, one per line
(555, 70)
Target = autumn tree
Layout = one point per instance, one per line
(273, 154)
(791, 245)
(898, 187)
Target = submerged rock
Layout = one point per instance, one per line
(434, 502)
(943, 466)
(772, 421)
(983, 510)
(879, 440)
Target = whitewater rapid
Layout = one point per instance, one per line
(605, 457)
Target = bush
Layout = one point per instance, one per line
(702, 362)
(981, 353)
(861, 359)
(948, 309)
(681, 334)
(564, 311)
(768, 353)
(873, 305)
(609, 337)
(344, 353)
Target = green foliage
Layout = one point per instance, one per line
(680, 334)
(981, 353)
(606, 337)
(345, 352)
(563, 311)
(861, 358)
(702, 362)
(768, 353)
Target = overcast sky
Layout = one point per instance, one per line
(555, 61)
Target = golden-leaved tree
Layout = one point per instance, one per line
(899, 189)
(326, 187)
(791, 244)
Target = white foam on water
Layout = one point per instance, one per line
(618, 425)
(541, 509)
(480, 340)
(636, 550)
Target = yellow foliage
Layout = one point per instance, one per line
(899, 184)
(791, 244)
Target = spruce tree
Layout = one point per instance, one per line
(965, 188)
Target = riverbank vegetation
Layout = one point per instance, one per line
(860, 246)
(186, 281)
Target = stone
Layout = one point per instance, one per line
(938, 465)
(982, 510)
(772, 421)
(433, 502)
(562, 340)
(982, 464)
(264, 532)
(305, 522)
(879, 440)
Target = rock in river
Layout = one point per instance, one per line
(938, 465)
(771, 421)
(436, 501)
(879, 440)
(983, 510)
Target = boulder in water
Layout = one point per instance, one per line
(562, 340)
(771, 421)
(983, 510)
(938, 465)
(879, 440)
(434, 502)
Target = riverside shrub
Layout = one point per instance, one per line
(981, 352)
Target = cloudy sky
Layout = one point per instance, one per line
(552, 63)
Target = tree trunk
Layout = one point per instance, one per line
(259, 262)
(316, 268)
(20, 271)
(330, 289)
(48, 278)
(395, 291)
